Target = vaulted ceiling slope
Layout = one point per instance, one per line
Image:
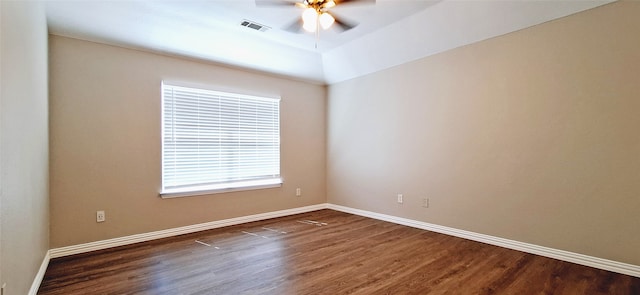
(390, 33)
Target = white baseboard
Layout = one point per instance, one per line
(600, 263)
(127, 240)
(40, 275)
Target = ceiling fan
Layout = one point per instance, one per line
(316, 14)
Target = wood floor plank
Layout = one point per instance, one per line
(323, 252)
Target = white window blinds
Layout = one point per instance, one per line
(218, 141)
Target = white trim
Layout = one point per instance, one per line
(40, 275)
(600, 263)
(221, 188)
(127, 240)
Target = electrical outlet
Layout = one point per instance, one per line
(100, 217)
(425, 202)
(400, 198)
(298, 192)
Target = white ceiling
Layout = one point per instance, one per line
(389, 33)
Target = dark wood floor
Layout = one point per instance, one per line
(323, 252)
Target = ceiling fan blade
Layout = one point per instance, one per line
(295, 27)
(342, 24)
(340, 2)
(276, 3)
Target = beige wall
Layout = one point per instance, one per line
(105, 142)
(531, 136)
(24, 202)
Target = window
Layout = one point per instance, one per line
(215, 141)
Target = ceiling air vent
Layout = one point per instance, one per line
(254, 25)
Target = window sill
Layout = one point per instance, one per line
(221, 188)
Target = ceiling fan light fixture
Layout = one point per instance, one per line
(326, 20)
(309, 27)
(329, 4)
(310, 19)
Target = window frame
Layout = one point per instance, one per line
(223, 187)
